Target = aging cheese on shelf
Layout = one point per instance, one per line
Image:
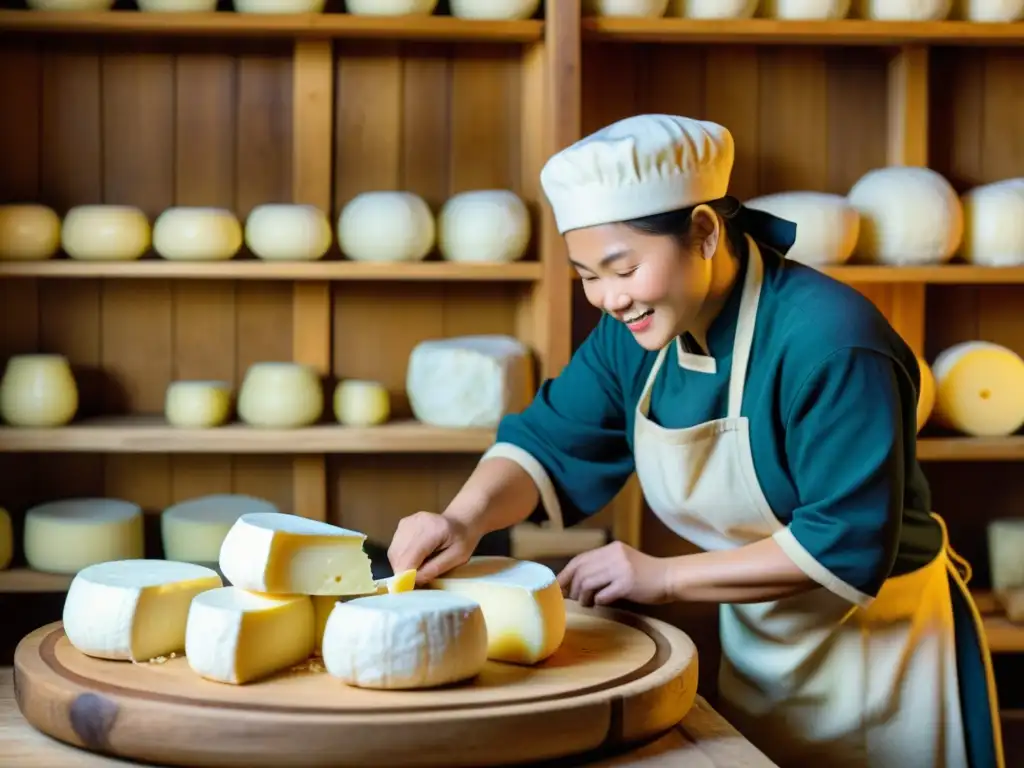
(105, 233)
(489, 226)
(386, 227)
(279, 6)
(188, 233)
(390, 7)
(288, 554)
(979, 389)
(7, 539)
(989, 10)
(197, 404)
(903, 10)
(1005, 544)
(278, 395)
(522, 605)
(417, 639)
(177, 6)
(805, 9)
(67, 535)
(28, 232)
(627, 8)
(712, 9)
(926, 398)
(827, 226)
(280, 232)
(133, 610)
(468, 381)
(360, 403)
(38, 391)
(493, 9)
(193, 531)
(236, 636)
(994, 224)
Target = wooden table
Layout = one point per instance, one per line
(702, 740)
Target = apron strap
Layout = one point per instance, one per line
(746, 321)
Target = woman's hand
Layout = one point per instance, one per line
(616, 571)
(447, 541)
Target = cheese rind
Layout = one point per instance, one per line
(386, 227)
(193, 530)
(902, 10)
(712, 9)
(487, 225)
(133, 610)
(827, 225)
(28, 232)
(287, 554)
(417, 639)
(522, 604)
(235, 636)
(994, 224)
(38, 391)
(279, 232)
(197, 404)
(493, 9)
(805, 9)
(67, 535)
(360, 403)
(324, 604)
(989, 10)
(280, 395)
(105, 233)
(390, 7)
(187, 233)
(979, 389)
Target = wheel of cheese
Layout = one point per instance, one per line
(989, 10)
(902, 10)
(67, 535)
(712, 9)
(28, 232)
(279, 6)
(406, 640)
(979, 389)
(490, 225)
(386, 226)
(281, 232)
(105, 233)
(38, 391)
(507, 10)
(926, 398)
(907, 216)
(827, 226)
(192, 531)
(648, 9)
(805, 9)
(197, 234)
(280, 395)
(994, 224)
(70, 5)
(1005, 543)
(361, 403)
(177, 6)
(390, 7)
(6, 539)
(197, 404)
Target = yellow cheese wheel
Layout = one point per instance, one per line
(197, 234)
(105, 233)
(7, 539)
(38, 391)
(979, 389)
(28, 232)
(67, 535)
(926, 399)
(280, 396)
(360, 403)
(197, 404)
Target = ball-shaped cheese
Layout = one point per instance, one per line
(67, 535)
(279, 6)
(902, 10)
(979, 389)
(926, 397)
(28, 232)
(281, 232)
(989, 10)
(280, 395)
(712, 9)
(908, 216)
(805, 9)
(197, 234)
(38, 391)
(994, 224)
(827, 225)
(390, 7)
(493, 9)
(490, 225)
(648, 9)
(361, 403)
(105, 233)
(197, 404)
(386, 226)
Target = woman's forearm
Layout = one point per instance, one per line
(498, 495)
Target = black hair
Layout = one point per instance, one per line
(676, 223)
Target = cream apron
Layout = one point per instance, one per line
(812, 676)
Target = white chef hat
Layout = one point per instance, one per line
(637, 167)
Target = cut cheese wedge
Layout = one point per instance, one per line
(133, 610)
(235, 636)
(416, 639)
(522, 604)
(286, 554)
(324, 604)
(979, 389)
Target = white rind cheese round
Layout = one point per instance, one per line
(827, 226)
(28, 232)
(386, 227)
(105, 233)
(197, 404)
(468, 381)
(279, 6)
(712, 9)
(235, 636)
(1005, 542)
(390, 7)
(70, 5)
(908, 216)
(67, 535)
(506, 10)
(648, 9)
(38, 391)
(197, 234)
(280, 396)
(133, 610)
(926, 398)
(805, 9)
(902, 10)
(994, 224)
(522, 603)
(989, 10)
(193, 531)
(979, 389)
(360, 403)
(407, 640)
(6, 539)
(280, 232)
(177, 6)
(488, 225)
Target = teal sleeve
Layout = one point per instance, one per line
(576, 427)
(845, 448)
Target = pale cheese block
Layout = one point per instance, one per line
(236, 636)
(28, 232)
(994, 224)
(648, 9)
(359, 403)
(522, 604)
(468, 381)
(279, 6)
(908, 216)
(390, 7)
(67, 535)
(38, 391)
(386, 227)
(105, 233)
(484, 226)
(187, 233)
(712, 9)
(133, 610)
(193, 531)
(197, 404)
(7, 540)
(805, 9)
(827, 226)
(926, 397)
(1005, 545)
(279, 232)
(324, 604)
(280, 395)
(288, 554)
(505, 10)
(979, 389)
(989, 10)
(407, 640)
(902, 10)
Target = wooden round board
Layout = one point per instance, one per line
(618, 678)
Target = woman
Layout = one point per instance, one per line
(770, 415)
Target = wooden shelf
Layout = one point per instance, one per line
(303, 25)
(971, 448)
(771, 32)
(251, 269)
(27, 580)
(151, 434)
(1003, 635)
